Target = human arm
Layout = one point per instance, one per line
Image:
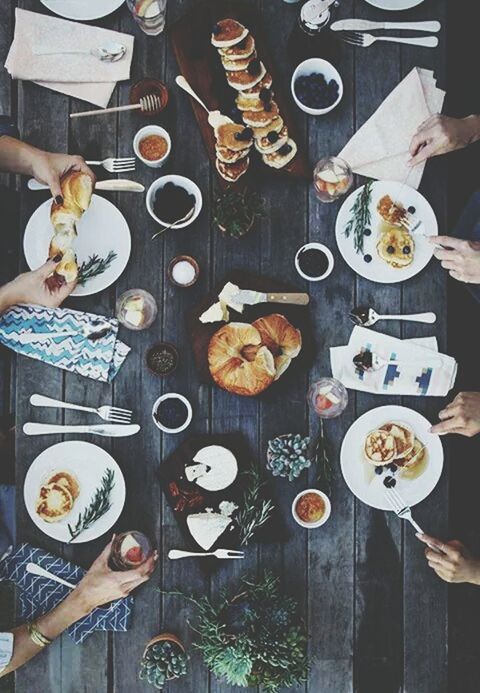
(461, 258)
(461, 416)
(31, 288)
(440, 134)
(455, 563)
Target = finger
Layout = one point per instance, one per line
(61, 293)
(450, 410)
(446, 254)
(53, 183)
(448, 426)
(449, 242)
(46, 269)
(438, 559)
(428, 122)
(449, 265)
(105, 555)
(458, 276)
(418, 141)
(131, 585)
(143, 570)
(424, 153)
(442, 575)
(430, 541)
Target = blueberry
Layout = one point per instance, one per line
(216, 29)
(367, 232)
(265, 94)
(411, 209)
(367, 258)
(392, 467)
(236, 113)
(272, 137)
(378, 469)
(245, 135)
(254, 67)
(406, 250)
(286, 149)
(389, 482)
(390, 249)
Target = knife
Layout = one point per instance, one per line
(118, 184)
(108, 430)
(365, 25)
(250, 298)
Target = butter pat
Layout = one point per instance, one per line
(226, 294)
(216, 313)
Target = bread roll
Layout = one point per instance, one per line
(282, 339)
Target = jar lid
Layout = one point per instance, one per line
(315, 13)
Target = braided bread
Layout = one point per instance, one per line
(77, 189)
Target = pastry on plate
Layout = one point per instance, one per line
(380, 447)
(229, 156)
(54, 502)
(282, 156)
(261, 118)
(234, 136)
(232, 172)
(68, 480)
(272, 141)
(414, 458)
(275, 126)
(239, 51)
(403, 434)
(396, 247)
(227, 33)
(281, 338)
(390, 211)
(248, 78)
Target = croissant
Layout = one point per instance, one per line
(77, 189)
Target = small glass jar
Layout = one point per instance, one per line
(149, 15)
(332, 178)
(136, 309)
(130, 550)
(328, 398)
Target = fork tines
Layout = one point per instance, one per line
(119, 415)
(396, 501)
(150, 103)
(353, 37)
(121, 165)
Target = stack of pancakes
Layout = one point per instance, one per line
(247, 75)
(395, 245)
(394, 442)
(57, 496)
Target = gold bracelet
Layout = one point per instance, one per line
(36, 636)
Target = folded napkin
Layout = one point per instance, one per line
(38, 595)
(421, 369)
(379, 149)
(100, 359)
(82, 76)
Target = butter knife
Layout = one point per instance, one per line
(115, 184)
(250, 298)
(365, 25)
(108, 430)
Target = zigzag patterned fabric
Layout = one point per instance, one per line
(39, 595)
(100, 359)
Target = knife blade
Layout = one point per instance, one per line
(250, 298)
(115, 184)
(108, 430)
(365, 25)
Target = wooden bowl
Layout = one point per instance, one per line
(180, 258)
(149, 86)
(164, 636)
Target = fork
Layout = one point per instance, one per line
(219, 553)
(107, 413)
(115, 165)
(356, 38)
(404, 512)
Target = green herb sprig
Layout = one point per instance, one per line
(235, 212)
(255, 510)
(94, 267)
(320, 457)
(360, 217)
(100, 504)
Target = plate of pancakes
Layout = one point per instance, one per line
(391, 447)
(61, 483)
(391, 253)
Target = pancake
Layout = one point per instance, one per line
(229, 156)
(67, 480)
(282, 156)
(272, 142)
(391, 212)
(275, 126)
(249, 104)
(415, 457)
(253, 92)
(237, 64)
(227, 33)
(227, 136)
(243, 79)
(54, 502)
(403, 434)
(232, 172)
(261, 118)
(392, 245)
(239, 51)
(379, 447)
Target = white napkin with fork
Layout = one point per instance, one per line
(82, 76)
(417, 367)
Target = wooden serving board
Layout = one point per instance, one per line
(299, 316)
(201, 66)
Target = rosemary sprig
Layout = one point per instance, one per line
(319, 456)
(99, 505)
(255, 510)
(94, 266)
(360, 217)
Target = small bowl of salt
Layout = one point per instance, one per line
(183, 270)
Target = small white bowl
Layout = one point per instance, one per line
(183, 182)
(316, 246)
(325, 516)
(317, 65)
(145, 132)
(172, 395)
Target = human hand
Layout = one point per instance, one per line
(101, 585)
(32, 288)
(455, 563)
(461, 258)
(461, 416)
(49, 168)
(440, 134)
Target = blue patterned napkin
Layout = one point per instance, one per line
(39, 595)
(100, 359)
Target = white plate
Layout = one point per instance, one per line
(101, 229)
(82, 10)
(88, 463)
(377, 270)
(360, 476)
(394, 4)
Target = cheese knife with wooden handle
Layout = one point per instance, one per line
(250, 298)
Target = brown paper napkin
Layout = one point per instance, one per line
(82, 76)
(379, 149)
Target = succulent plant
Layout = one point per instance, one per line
(287, 455)
(163, 661)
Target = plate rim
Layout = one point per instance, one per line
(83, 19)
(375, 3)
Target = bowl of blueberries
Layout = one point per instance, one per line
(316, 86)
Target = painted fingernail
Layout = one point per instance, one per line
(59, 200)
(57, 258)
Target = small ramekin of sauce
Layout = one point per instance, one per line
(311, 508)
(152, 145)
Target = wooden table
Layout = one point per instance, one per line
(376, 613)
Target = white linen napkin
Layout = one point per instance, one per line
(421, 368)
(82, 76)
(379, 149)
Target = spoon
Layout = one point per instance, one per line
(90, 334)
(109, 53)
(215, 118)
(367, 316)
(369, 361)
(177, 221)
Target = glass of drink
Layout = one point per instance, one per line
(327, 397)
(149, 15)
(129, 550)
(332, 178)
(136, 309)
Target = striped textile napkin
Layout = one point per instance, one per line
(38, 595)
(100, 359)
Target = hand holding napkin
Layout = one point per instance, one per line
(419, 368)
(38, 595)
(99, 359)
(82, 76)
(379, 149)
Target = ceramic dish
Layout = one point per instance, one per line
(82, 10)
(145, 132)
(182, 182)
(325, 516)
(325, 250)
(394, 4)
(172, 395)
(317, 65)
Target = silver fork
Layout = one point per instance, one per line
(115, 165)
(404, 512)
(219, 553)
(107, 413)
(356, 38)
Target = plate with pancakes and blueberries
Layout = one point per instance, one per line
(65, 482)
(382, 229)
(391, 447)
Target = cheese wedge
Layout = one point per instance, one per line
(207, 528)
